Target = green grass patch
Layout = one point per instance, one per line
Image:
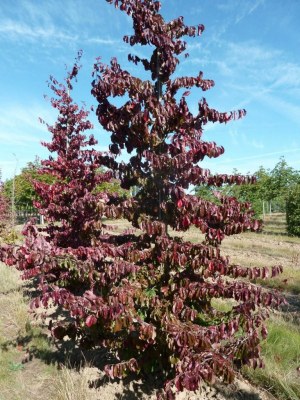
(281, 352)
(289, 281)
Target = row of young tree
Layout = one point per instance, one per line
(270, 193)
(147, 296)
(275, 190)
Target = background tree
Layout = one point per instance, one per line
(293, 210)
(112, 186)
(283, 178)
(272, 186)
(25, 194)
(4, 212)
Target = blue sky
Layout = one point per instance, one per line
(250, 48)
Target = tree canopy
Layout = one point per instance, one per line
(24, 192)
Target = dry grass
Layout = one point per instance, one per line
(19, 380)
(14, 308)
(9, 279)
(270, 251)
(14, 316)
(73, 385)
(33, 380)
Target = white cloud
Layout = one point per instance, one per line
(12, 139)
(15, 30)
(242, 140)
(19, 124)
(21, 114)
(247, 8)
(249, 53)
(241, 9)
(263, 74)
(264, 155)
(105, 41)
(288, 75)
(289, 110)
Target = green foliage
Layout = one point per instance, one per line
(293, 211)
(24, 192)
(206, 192)
(111, 187)
(268, 194)
(5, 214)
(281, 179)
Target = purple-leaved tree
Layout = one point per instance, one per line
(150, 297)
(172, 322)
(72, 198)
(73, 256)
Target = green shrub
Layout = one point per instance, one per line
(293, 211)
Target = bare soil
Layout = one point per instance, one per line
(135, 390)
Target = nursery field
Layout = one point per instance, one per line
(33, 367)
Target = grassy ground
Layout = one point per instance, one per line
(21, 337)
(281, 353)
(16, 336)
